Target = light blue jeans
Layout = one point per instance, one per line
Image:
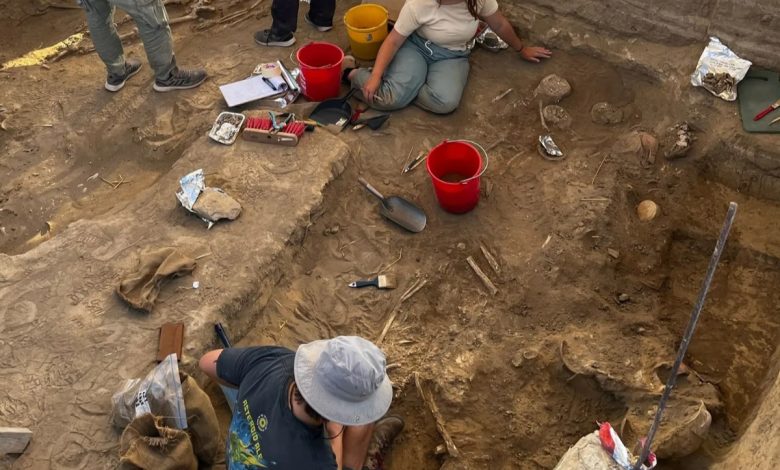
(152, 21)
(432, 76)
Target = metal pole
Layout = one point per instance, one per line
(222, 334)
(705, 287)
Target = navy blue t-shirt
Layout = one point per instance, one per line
(264, 433)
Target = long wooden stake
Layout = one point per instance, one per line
(498, 98)
(452, 450)
(599, 169)
(482, 276)
(490, 259)
(416, 286)
(705, 287)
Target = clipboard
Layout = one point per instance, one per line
(252, 89)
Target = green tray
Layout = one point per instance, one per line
(756, 91)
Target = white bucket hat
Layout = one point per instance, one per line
(344, 379)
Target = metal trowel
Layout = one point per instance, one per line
(398, 210)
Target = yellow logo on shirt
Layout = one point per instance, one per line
(262, 423)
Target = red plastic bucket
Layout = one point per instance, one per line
(455, 167)
(320, 64)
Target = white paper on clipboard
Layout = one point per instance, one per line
(251, 89)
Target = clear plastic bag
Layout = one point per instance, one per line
(720, 70)
(159, 394)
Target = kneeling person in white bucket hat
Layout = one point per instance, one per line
(318, 408)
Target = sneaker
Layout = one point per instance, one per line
(117, 82)
(319, 28)
(181, 79)
(385, 431)
(267, 38)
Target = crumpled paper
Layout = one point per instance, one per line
(551, 151)
(213, 208)
(290, 84)
(490, 40)
(192, 185)
(718, 59)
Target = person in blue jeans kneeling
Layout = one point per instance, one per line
(425, 58)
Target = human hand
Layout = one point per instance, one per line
(535, 54)
(370, 87)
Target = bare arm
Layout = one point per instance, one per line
(387, 51)
(208, 364)
(336, 443)
(501, 26)
(355, 445)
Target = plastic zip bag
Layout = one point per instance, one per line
(159, 394)
(720, 70)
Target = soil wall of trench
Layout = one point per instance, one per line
(749, 27)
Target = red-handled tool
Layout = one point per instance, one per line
(768, 110)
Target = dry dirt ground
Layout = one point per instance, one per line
(521, 375)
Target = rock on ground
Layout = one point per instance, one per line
(556, 115)
(677, 141)
(214, 204)
(606, 114)
(587, 454)
(552, 89)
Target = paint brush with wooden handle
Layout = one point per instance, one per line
(384, 281)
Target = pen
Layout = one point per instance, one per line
(270, 83)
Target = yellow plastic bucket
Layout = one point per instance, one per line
(366, 29)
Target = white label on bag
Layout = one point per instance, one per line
(142, 404)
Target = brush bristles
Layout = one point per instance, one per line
(386, 281)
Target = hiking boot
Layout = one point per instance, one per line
(117, 82)
(385, 431)
(267, 38)
(319, 28)
(181, 79)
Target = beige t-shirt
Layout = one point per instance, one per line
(450, 26)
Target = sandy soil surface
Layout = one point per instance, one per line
(521, 375)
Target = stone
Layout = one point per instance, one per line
(606, 114)
(678, 141)
(639, 144)
(613, 253)
(331, 230)
(683, 429)
(623, 298)
(214, 204)
(518, 359)
(461, 246)
(587, 453)
(557, 116)
(647, 210)
(552, 89)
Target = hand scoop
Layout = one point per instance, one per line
(398, 210)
